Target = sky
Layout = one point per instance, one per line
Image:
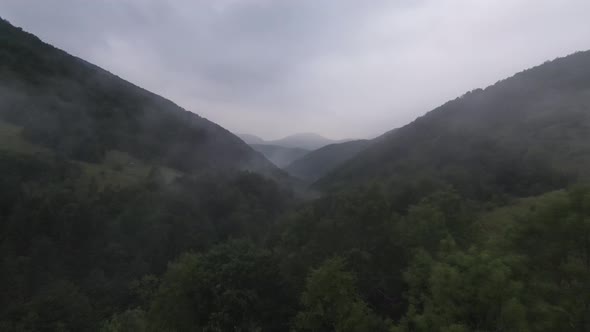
(340, 68)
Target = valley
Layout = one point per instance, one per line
(122, 211)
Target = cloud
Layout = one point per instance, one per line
(343, 68)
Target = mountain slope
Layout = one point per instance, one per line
(81, 111)
(87, 208)
(317, 163)
(508, 138)
(279, 155)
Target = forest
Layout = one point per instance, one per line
(120, 211)
(225, 254)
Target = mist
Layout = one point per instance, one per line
(343, 69)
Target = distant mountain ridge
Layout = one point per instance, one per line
(307, 141)
(279, 155)
(318, 163)
(251, 139)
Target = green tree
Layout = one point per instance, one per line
(234, 287)
(133, 320)
(331, 302)
(555, 239)
(464, 291)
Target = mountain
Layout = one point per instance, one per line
(82, 112)
(279, 155)
(317, 163)
(251, 139)
(306, 141)
(523, 135)
(309, 141)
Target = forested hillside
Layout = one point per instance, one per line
(121, 212)
(75, 251)
(319, 162)
(103, 183)
(82, 112)
(523, 135)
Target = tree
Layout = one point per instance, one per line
(234, 287)
(132, 320)
(463, 291)
(555, 240)
(332, 303)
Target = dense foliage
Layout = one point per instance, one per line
(72, 252)
(78, 258)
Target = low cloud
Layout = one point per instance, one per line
(342, 68)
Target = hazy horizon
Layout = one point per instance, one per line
(280, 137)
(341, 69)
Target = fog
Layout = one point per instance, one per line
(344, 69)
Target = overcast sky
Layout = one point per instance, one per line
(341, 68)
